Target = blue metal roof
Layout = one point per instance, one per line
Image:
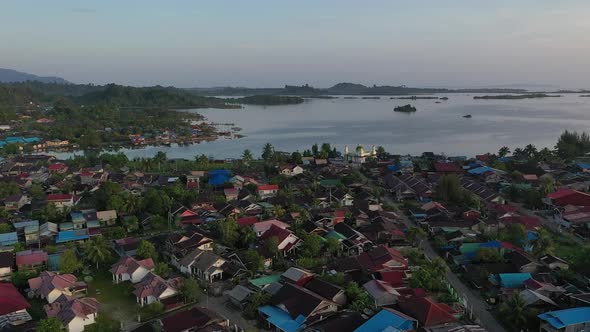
(480, 170)
(66, 236)
(218, 177)
(7, 239)
(563, 318)
(386, 320)
(393, 168)
(583, 165)
(513, 280)
(282, 319)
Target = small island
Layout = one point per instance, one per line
(415, 97)
(585, 96)
(371, 98)
(268, 100)
(523, 96)
(405, 109)
(444, 98)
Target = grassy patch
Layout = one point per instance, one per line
(117, 300)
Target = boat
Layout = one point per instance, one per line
(437, 102)
(468, 116)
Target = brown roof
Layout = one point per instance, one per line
(130, 265)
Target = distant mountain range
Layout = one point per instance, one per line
(12, 76)
(343, 89)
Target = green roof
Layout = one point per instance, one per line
(336, 235)
(263, 281)
(330, 182)
(467, 248)
(266, 205)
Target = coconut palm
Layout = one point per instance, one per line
(97, 250)
(504, 151)
(514, 310)
(547, 184)
(247, 156)
(530, 150)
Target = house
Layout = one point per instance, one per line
(290, 170)
(522, 262)
(554, 262)
(512, 280)
(564, 197)
(13, 307)
(381, 292)
(287, 240)
(61, 201)
(50, 286)
(239, 296)
(231, 194)
(327, 290)
(16, 202)
(57, 168)
(292, 306)
(567, 320)
(267, 190)
(206, 265)
(108, 217)
(262, 226)
(30, 259)
(338, 322)
(388, 320)
(428, 312)
(297, 276)
(445, 168)
(126, 246)
(8, 239)
(74, 313)
(72, 236)
(381, 259)
(182, 244)
(6, 263)
(128, 268)
(154, 288)
(194, 319)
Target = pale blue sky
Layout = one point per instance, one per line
(275, 42)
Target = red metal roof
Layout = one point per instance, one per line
(247, 221)
(33, 258)
(447, 168)
(268, 187)
(428, 312)
(10, 299)
(59, 197)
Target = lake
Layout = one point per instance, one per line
(439, 128)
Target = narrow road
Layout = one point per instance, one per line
(475, 303)
(222, 306)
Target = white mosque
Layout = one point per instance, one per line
(359, 156)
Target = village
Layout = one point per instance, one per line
(362, 240)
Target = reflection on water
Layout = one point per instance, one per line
(434, 127)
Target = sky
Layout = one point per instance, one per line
(270, 43)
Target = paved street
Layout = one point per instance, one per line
(222, 306)
(475, 302)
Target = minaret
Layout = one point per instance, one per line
(373, 151)
(346, 152)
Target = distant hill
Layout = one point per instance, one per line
(13, 76)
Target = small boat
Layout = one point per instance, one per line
(437, 102)
(468, 116)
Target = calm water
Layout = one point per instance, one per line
(434, 127)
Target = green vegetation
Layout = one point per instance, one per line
(572, 144)
(190, 290)
(49, 325)
(518, 96)
(267, 100)
(97, 251)
(405, 109)
(146, 249)
(68, 262)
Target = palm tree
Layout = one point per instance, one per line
(504, 151)
(515, 311)
(247, 156)
(547, 184)
(543, 245)
(97, 250)
(530, 150)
